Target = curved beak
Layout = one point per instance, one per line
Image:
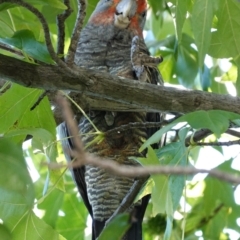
(125, 10)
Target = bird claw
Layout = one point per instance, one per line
(140, 73)
(140, 60)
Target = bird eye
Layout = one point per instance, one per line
(144, 14)
(118, 13)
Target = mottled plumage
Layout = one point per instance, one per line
(105, 45)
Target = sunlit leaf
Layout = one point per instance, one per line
(53, 3)
(187, 63)
(161, 196)
(217, 48)
(116, 228)
(168, 231)
(31, 227)
(51, 205)
(5, 233)
(238, 81)
(14, 103)
(215, 120)
(181, 14)
(74, 215)
(17, 193)
(228, 26)
(202, 16)
(25, 41)
(5, 6)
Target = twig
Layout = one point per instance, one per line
(73, 129)
(233, 133)
(40, 98)
(229, 143)
(198, 135)
(129, 171)
(64, 68)
(133, 125)
(205, 220)
(76, 32)
(126, 170)
(61, 28)
(43, 21)
(11, 49)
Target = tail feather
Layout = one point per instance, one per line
(135, 231)
(78, 174)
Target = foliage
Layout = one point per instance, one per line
(199, 40)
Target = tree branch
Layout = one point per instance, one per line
(84, 158)
(76, 32)
(61, 28)
(102, 91)
(62, 65)
(45, 27)
(229, 143)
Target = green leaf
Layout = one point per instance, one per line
(156, 5)
(41, 135)
(40, 117)
(168, 231)
(167, 66)
(5, 233)
(73, 223)
(5, 6)
(215, 120)
(146, 189)
(15, 105)
(205, 77)
(52, 3)
(161, 196)
(216, 193)
(187, 64)
(17, 193)
(174, 154)
(52, 204)
(213, 229)
(217, 48)
(13, 168)
(181, 14)
(202, 16)
(45, 142)
(156, 137)
(238, 80)
(5, 29)
(31, 227)
(116, 228)
(217, 87)
(15, 114)
(26, 41)
(228, 26)
(156, 23)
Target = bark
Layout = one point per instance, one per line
(106, 92)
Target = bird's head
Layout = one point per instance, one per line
(123, 14)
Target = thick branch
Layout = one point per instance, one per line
(106, 92)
